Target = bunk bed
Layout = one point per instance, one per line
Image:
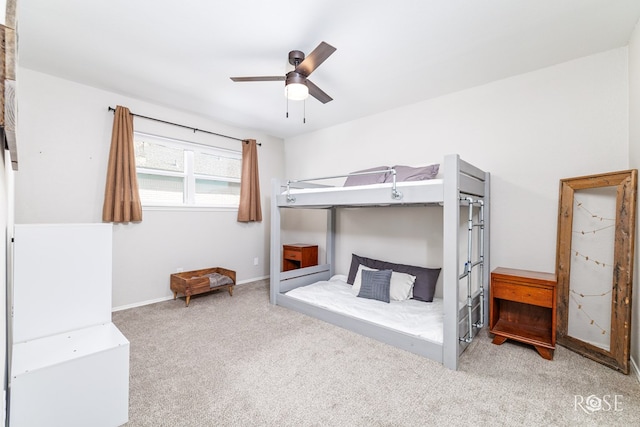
(460, 186)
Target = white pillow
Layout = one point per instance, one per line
(401, 287)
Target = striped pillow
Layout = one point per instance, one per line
(375, 285)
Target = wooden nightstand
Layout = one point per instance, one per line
(523, 308)
(299, 255)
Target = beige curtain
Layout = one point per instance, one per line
(121, 198)
(249, 209)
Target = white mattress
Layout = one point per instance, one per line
(418, 318)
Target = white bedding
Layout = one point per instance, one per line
(422, 319)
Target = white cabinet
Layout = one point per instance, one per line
(69, 363)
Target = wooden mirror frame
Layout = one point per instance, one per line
(622, 277)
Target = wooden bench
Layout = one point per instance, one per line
(196, 282)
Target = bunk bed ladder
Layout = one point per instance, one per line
(469, 265)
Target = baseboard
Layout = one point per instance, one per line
(170, 297)
(255, 279)
(141, 303)
(635, 369)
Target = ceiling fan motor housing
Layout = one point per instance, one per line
(294, 77)
(296, 57)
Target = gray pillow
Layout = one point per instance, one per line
(375, 285)
(408, 173)
(373, 178)
(426, 278)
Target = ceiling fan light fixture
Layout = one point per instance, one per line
(296, 91)
(295, 87)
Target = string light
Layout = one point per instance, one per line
(601, 218)
(574, 294)
(591, 320)
(595, 261)
(593, 231)
(591, 295)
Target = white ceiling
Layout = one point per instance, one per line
(389, 53)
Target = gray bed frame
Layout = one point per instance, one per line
(461, 180)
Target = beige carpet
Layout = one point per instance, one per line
(239, 361)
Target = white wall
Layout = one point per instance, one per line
(63, 151)
(634, 162)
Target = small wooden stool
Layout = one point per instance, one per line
(195, 282)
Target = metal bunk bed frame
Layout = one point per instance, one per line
(463, 185)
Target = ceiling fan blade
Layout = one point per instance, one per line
(315, 58)
(258, 79)
(318, 93)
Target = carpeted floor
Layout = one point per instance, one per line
(239, 361)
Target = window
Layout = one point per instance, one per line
(178, 173)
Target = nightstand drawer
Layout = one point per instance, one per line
(293, 255)
(542, 297)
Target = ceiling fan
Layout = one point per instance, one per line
(297, 85)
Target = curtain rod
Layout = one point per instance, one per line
(182, 126)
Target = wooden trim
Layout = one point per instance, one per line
(10, 53)
(10, 14)
(8, 101)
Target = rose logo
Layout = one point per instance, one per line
(593, 403)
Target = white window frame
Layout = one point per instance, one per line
(189, 176)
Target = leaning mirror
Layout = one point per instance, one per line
(594, 265)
